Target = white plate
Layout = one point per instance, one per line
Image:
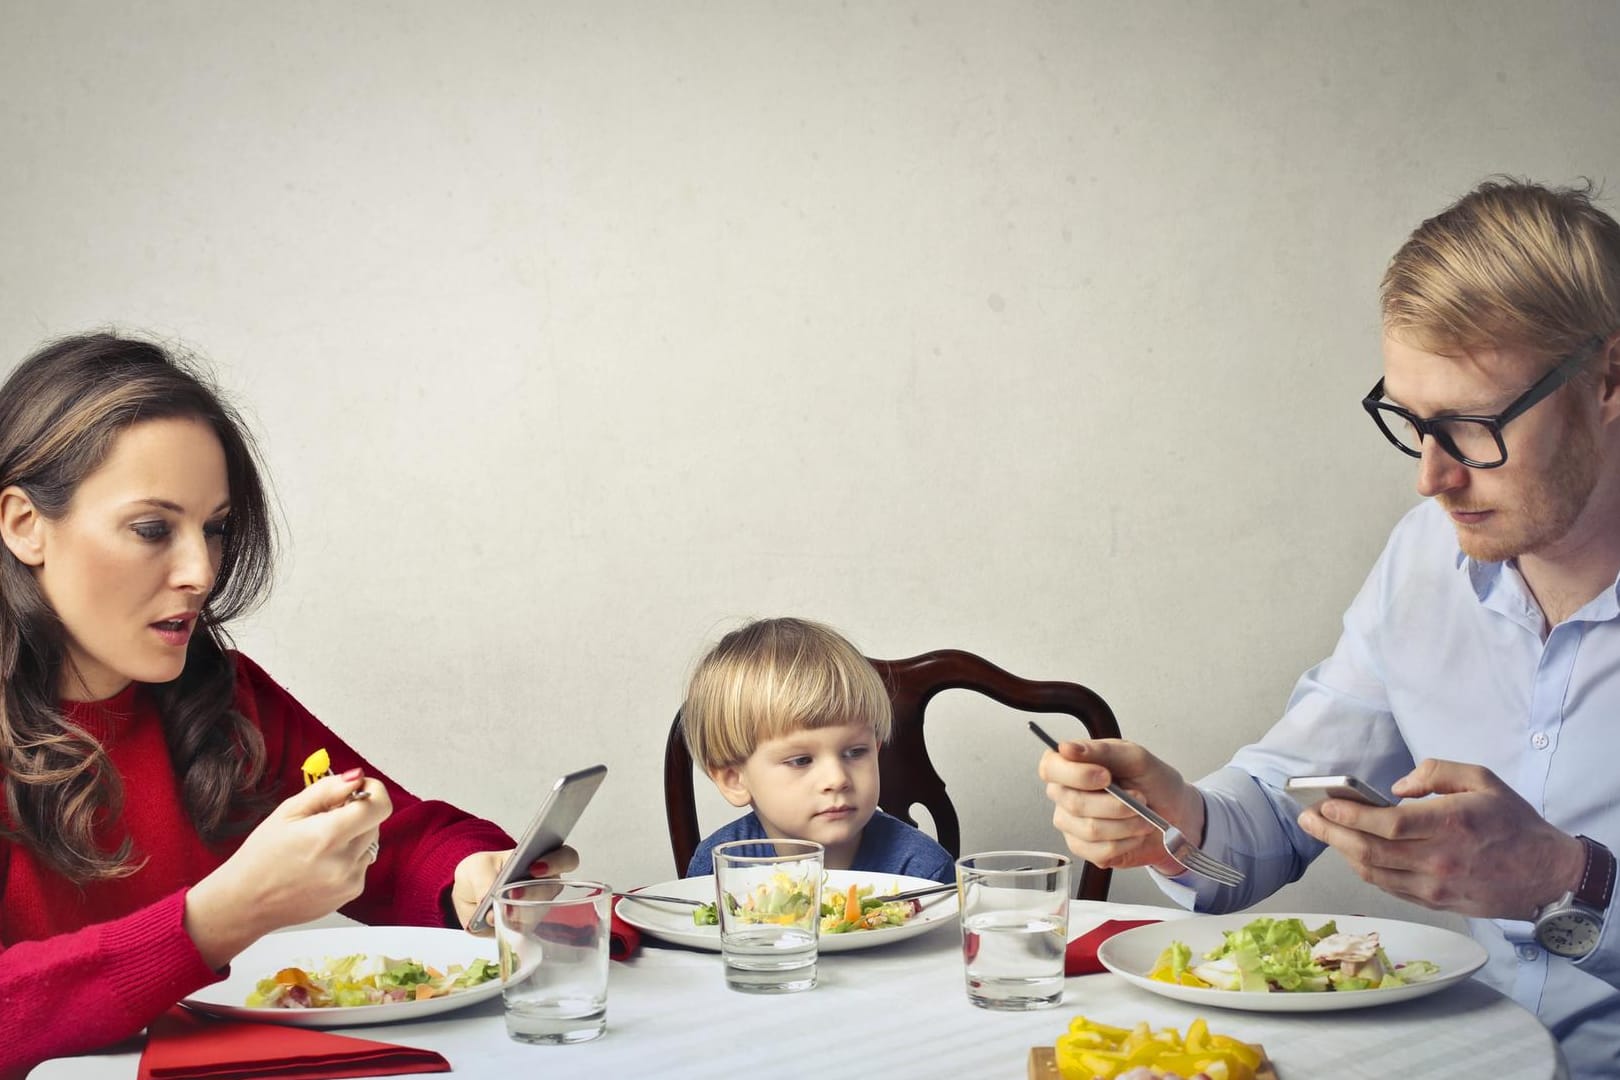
(673, 922)
(1132, 954)
(294, 948)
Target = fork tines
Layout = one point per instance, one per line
(1212, 868)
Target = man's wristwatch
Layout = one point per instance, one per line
(1570, 925)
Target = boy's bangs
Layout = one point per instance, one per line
(829, 698)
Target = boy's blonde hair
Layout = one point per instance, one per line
(774, 677)
(1511, 264)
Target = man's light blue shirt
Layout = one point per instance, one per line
(1443, 657)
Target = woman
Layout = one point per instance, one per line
(155, 819)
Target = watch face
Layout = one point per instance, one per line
(1569, 933)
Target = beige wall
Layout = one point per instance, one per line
(576, 331)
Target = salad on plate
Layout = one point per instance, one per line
(1285, 956)
(362, 979)
(786, 900)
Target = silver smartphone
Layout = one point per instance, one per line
(1310, 790)
(564, 803)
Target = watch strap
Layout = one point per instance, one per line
(1596, 888)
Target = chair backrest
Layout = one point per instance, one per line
(908, 777)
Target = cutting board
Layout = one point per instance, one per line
(1043, 1064)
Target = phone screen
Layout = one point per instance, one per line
(562, 807)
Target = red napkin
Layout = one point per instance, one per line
(574, 925)
(1081, 956)
(181, 1045)
(626, 939)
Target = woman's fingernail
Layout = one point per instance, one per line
(540, 869)
(353, 774)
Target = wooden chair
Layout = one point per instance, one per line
(908, 777)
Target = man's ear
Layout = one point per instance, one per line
(729, 779)
(1609, 384)
(22, 526)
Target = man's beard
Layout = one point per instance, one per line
(1546, 512)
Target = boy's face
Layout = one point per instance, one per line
(819, 785)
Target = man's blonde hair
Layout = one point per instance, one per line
(1512, 264)
(774, 677)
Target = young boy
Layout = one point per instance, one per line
(786, 717)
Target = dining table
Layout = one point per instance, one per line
(901, 1011)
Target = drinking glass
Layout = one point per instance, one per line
(553, 937)
(1015, 923)
(768, 899)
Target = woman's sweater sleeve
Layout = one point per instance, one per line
(90, 988)
(96, 986)
(420, 843)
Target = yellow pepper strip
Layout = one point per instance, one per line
(1081, 1024)
(1245, 1053)
(1186, 978)
(1092, 1051)
(316, 766)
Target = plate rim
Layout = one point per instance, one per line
(348, 1015)
(1306, 1002)
(708, 937)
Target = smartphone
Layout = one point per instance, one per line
(1310, 790)
(564, 803)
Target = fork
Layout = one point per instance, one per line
(1176, 844)
(911, 894)
(658, 899)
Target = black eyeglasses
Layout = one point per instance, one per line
(1476, 441)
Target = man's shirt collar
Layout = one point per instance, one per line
(1512, 597)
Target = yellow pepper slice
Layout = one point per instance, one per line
(1241, 1050)
(1081, 1024)
(1093, 1051)
(316, 766)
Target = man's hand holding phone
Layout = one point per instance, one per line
(1461, 841)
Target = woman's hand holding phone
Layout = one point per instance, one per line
(541, 843)
(478, 872)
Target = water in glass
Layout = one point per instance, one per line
(1014, 959)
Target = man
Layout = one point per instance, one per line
(1478, 674)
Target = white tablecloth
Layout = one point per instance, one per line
(901, 1012)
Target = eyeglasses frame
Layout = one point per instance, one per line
(1566, 369)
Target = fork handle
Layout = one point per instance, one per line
(912, 894)
(654, 898)
(1137, 805)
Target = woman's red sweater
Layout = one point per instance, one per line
(82, 967)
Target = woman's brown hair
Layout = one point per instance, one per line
(61, 410)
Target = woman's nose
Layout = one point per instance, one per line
(194, 564)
